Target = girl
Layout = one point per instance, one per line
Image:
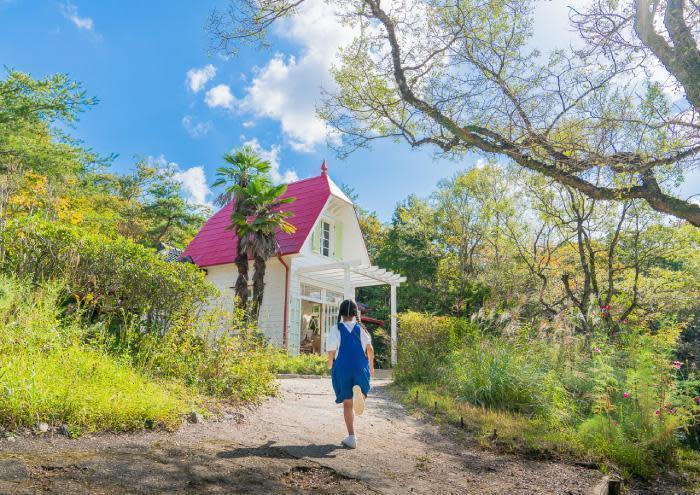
(351, 359)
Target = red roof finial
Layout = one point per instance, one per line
(324, 169)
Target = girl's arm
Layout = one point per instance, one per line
(331, 358)
(370, 357)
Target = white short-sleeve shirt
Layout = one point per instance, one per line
(333, 341)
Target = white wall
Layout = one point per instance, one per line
(271, 318)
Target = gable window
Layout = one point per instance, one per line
(325, 239)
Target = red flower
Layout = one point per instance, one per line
(626, 395)
(658, 412)
(597, 350)
(677, 365)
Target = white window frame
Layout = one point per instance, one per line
(331, 238)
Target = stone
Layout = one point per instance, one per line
(63, 429)
(42, 427)
(195, 417)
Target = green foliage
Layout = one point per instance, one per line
(303, 364)
(425, 344)
(510, 376)
(112, 278)
(216, 352)
(627, 403)
(29, 112)
(48, 374)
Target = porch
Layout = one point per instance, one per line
(350, 275)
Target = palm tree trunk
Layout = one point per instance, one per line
(241, 286)
(258, 286)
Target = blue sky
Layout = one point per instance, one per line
(162, 95)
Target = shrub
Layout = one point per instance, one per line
(424, 344)
(111, 278)
(47, 374)
(303, 364)
(626, 401)
(216, 351)
(638, 403)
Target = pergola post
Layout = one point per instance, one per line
(393, 325)
(348, 289)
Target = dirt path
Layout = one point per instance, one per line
(289, 445)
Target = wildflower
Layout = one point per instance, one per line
(626, 395)
(697, 400)
(677, 365)
(597, 350)
(658, 412)
(625, 321)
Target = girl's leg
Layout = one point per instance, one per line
(349, 416)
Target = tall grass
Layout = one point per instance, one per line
(47, 373)
(217, 352)
(627, 403)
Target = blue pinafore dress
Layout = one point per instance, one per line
(351, 366)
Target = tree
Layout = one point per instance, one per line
(459, 75)
(471, 209)
(259, 228)
(604, 262)
(410, 249)
(255, 217)
(32, 145)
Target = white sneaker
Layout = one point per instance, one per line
(358, 400)
(350, 442)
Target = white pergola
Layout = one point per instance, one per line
(351, 275)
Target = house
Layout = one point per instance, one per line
(317, 266)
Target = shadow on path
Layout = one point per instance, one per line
(271, 450)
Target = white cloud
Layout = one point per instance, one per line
(70, 12)
(288, 88)
(198, 78)
(220, 96)
(193, 180)
(194, 183)
(272, 156)
(196, 129)
(248, 124)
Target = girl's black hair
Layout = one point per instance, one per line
(347, 308)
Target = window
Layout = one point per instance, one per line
(325, 238)
(310, 292)
(334, 297)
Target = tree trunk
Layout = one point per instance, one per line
(241, 286)
(258, 287)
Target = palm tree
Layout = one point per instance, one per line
(258, 229)
(244, 164)
(255, 218)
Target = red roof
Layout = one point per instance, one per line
(215, 245)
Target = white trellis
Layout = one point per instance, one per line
(352, 274)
